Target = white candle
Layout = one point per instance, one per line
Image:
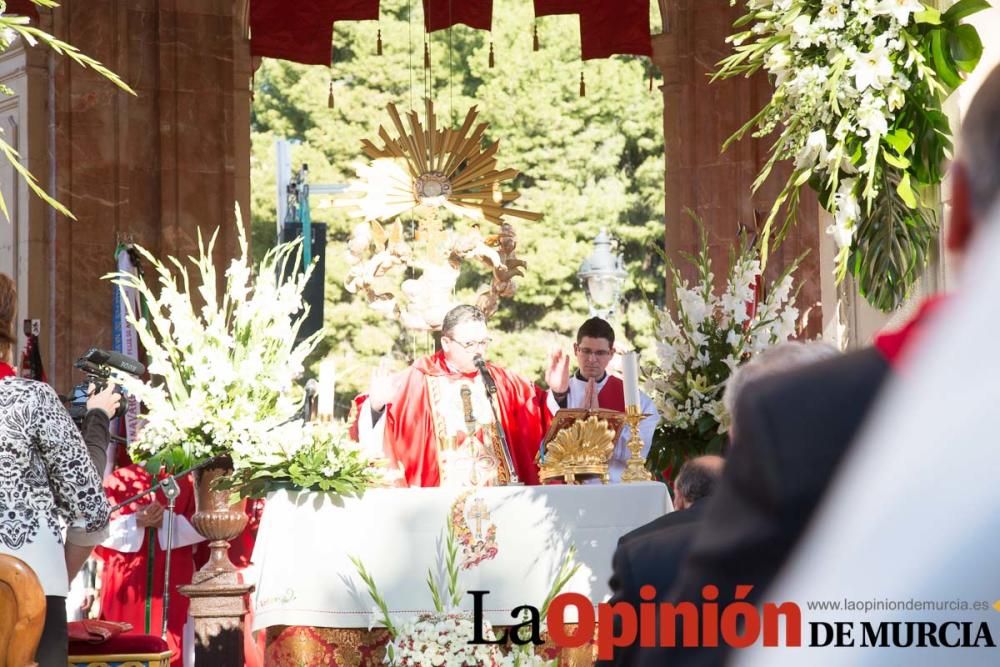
(630, 371)
(327, 380)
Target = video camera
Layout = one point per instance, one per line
(98, 364)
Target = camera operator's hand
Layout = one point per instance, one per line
(150, 516)
(107, 400)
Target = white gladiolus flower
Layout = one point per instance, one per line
(831, 15)
(871, 116)
(872, 69)
(900, 10)
(814, 150)
(693, 305)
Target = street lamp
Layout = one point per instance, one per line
(602, 275)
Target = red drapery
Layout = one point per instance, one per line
(441, 14)
(609, 28)
(23, 8)
(303, 31)
(553, 7)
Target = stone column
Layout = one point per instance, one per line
(156, 167)
(698, 116)
(218, 607)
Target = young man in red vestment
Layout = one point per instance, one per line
(135, 558)
(435, 421)
(593, 387)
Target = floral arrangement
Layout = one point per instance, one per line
(698, 348)
(859, 87)
(316, 456)
(223, 364)
(442, 637)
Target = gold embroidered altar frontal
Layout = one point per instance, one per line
(298, 646)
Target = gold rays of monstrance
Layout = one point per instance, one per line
(422, 170)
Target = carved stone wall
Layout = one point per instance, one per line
(156, 167)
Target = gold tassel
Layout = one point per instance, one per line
(427, 56)
(583, 86)
(536, 45)
(329, 99)
(650, 81)
(378, 43)
(492, 59)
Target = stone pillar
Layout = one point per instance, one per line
(698, 116)
(157, 167)
(218, 606)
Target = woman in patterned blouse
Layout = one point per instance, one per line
(47, 483)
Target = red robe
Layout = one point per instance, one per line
(123, 585)
(6, 370)
(409, 428)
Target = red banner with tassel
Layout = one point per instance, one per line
(302, 31)
(610, 28)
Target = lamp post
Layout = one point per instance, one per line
(602, 275)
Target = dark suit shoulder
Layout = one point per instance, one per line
(675, 518)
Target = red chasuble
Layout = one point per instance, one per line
(124, 583)
(411, 437)
(612, 395)
(6, 370)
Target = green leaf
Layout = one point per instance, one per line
(900, 139)
(966, 47)
(895, 160)
(943, 65)
(929, 15)
(905, 191)
(963, 8)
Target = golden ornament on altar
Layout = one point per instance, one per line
(426, 170)
(580, 450)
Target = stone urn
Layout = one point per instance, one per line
(215, 518)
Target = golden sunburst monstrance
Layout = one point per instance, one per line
(435, 168)
(425, 170)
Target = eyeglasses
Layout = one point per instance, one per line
(597, 354)
(472, 344)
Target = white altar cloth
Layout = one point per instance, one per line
(305, 576)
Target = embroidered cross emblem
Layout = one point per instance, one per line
(478, 512)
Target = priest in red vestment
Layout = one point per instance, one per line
(435, 422)
(135, 558)
(591, 386)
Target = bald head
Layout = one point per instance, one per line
(696, 480)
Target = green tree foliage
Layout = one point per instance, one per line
(585, 162)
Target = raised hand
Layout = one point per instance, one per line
(382, 386)
(557, 372)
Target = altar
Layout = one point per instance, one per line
(511, 542)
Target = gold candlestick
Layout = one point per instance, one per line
(635, 468)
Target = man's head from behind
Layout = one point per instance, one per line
(975, 187)
(594, 347)
(777, 359)
(696, 480)
(463, 336)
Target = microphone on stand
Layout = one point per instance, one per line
(480, 363)
(491, 394)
